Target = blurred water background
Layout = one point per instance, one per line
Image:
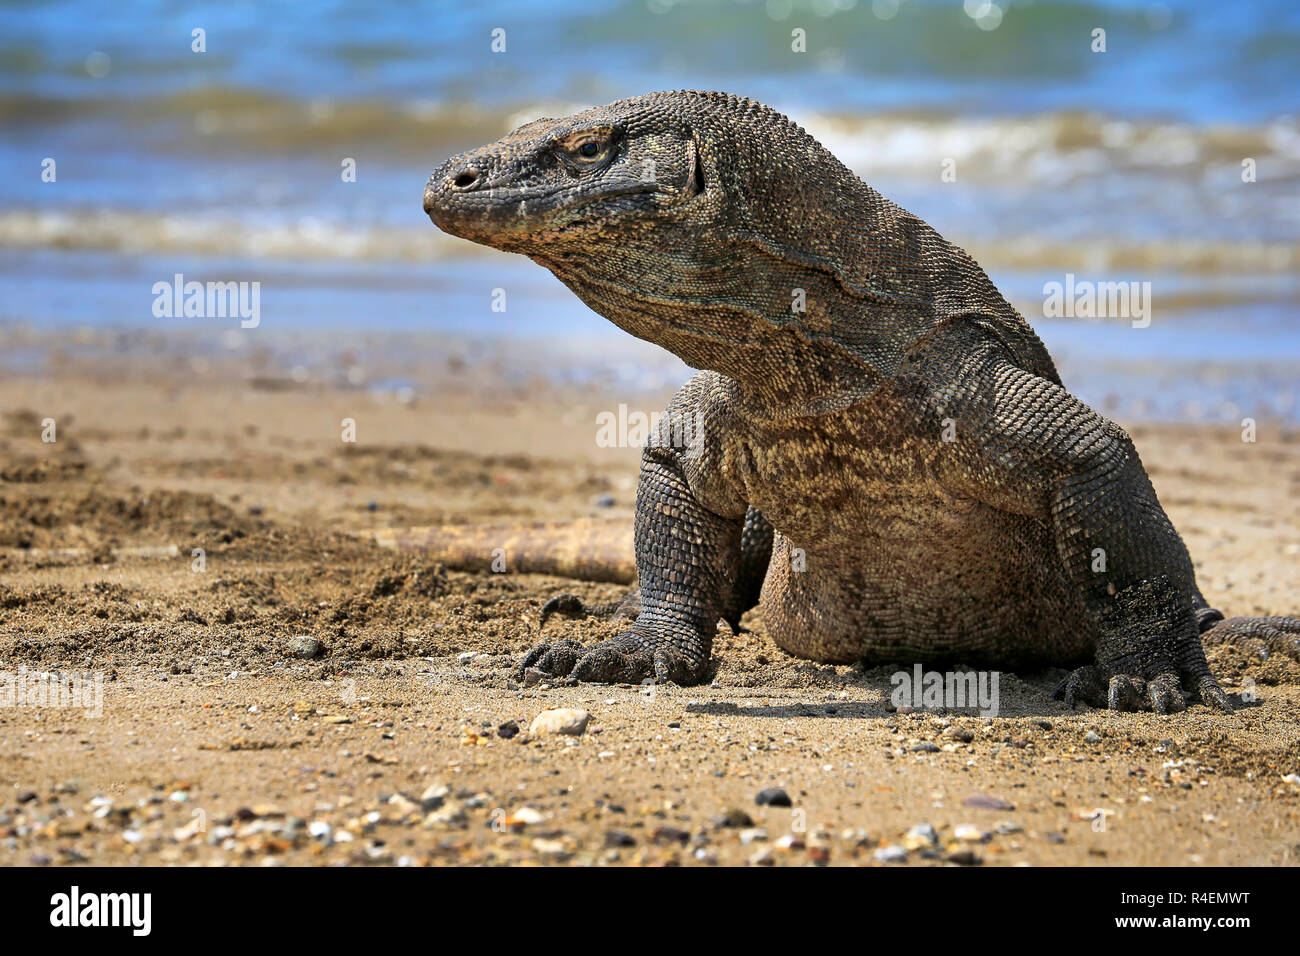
(225, 165)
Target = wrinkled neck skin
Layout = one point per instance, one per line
(788, 357)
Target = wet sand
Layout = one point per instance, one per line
(222, 740)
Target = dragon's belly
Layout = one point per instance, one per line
(874, 560)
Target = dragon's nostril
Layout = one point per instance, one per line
(466, 178)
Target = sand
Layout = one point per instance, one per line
(219, 743)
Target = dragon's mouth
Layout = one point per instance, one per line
(490, 215)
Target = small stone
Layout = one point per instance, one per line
(550, 848)
(507, 730)
(734, 818)
(891, 854)
(965, 858)
(27, 796)
(319, 830)
(669, 835)
(753, 835)
(962, 734)
(773, 797)
(1092, 737)
(983, 801)
(762, 858)
(337, 719)
(969, 833)
(403, 804)
(449, 815)
(925, 747)
(617, 838)
(1007, 827)
(524, 817)
(434, 795)
(791, 841)
(304, 646)
(560, 720)
(921, 835)
(604, 501)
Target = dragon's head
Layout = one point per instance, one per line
(580, 185)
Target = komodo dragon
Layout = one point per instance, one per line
(885, 450)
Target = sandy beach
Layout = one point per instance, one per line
(399, 733)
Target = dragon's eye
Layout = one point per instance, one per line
(589, 149)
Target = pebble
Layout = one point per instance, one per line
(735, 818)
(921, 835)
(337, 719)
(791, 841)
(669, 835)
(1092, 737)
(762, 858)
(891, 854)
(551, 848)
(753, 835)
(447, 816)
(969, 833)
(983, 801)
(304, 646)
(965, 858)
(507, 730)
(524, 817)
(773, 797)
(403, 804)
(560, 720)
(320, 830)
(616, 838)
(434, 796)
(925, 747)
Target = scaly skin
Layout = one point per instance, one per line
(935, 493)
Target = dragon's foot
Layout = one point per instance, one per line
(1120, 687)
(628, 658)
(1271, 635)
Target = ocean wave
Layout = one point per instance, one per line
(1045, 148)
(135, 232)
